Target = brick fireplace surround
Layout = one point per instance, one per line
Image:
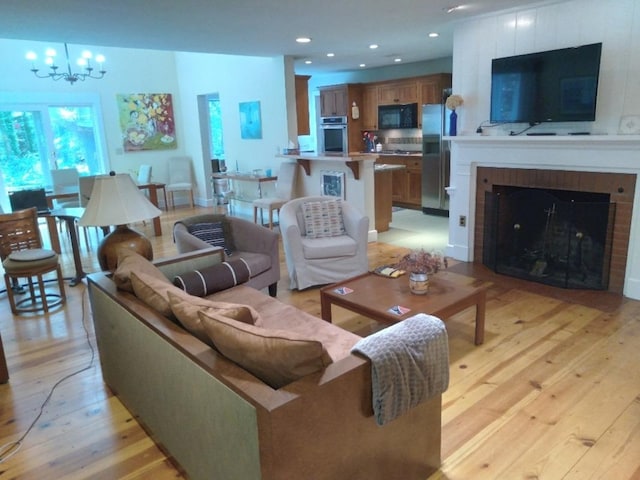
(620, 187)
(598, 164)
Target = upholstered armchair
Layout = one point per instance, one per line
(318, 254)
(255, 244)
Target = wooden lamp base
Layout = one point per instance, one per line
(122, 237)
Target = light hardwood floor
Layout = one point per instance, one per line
(553, 393)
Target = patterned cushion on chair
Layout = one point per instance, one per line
(323, 219)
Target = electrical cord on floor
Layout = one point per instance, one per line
(9, 449)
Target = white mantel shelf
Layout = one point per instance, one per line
(556, 141)
(351, 160)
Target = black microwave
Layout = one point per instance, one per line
(398, 116)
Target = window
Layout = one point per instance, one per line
(35, 138)
(216, 146)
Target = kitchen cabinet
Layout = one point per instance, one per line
(302, 103)
(414, 184)
(406, 190)
(334, 101)
(369, 107)
(430, 90)
(398, 92)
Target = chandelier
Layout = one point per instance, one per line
(72, 77)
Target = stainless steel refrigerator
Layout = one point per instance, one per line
(435, 159)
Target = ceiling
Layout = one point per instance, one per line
(345, 28)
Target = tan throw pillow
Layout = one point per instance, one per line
(153, 292)
(323, 218)
(277, 357)
(185, 307)
(130, 261)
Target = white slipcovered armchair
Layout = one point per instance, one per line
(318, 261)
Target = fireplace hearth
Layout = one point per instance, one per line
(556, 237)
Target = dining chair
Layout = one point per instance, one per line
(85, 186)
(180, 178)
(284, 192)
(65, 180)
(23, 257)
(144, 174)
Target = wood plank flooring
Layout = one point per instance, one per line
(553, 393)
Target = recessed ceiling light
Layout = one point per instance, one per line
(331, 54)
(303, 39)
(434, 35)
(373, 46)
(397, 59)
(362, 65)
(308, 62)
(453, 8)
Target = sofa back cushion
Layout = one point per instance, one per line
(185, 308)
(153, 292)
(130, 261)
(277, 357)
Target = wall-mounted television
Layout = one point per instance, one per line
(553, 86)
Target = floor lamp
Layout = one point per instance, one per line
(116, 200)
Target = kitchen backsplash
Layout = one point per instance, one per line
(401, 139)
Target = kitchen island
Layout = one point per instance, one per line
(383, 194)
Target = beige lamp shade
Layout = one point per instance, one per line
(116, 200)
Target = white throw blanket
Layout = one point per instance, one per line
(409, 364)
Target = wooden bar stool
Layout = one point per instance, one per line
(23, 257)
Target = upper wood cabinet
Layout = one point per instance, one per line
(302, 104)
(430, 87)
(398, 92)
(334, 101)
(369, 107)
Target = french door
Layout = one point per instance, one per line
(34, 139)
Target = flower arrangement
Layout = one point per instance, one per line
(419, 261)
(369, 139)
(453, 102)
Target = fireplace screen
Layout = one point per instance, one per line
(558, 238)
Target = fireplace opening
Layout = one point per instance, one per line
(556, 237)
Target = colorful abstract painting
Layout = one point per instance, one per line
(146, 121)
(250, 123)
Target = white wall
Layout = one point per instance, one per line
(235, 79)
(185, 76)
(128, 71)
(615, 23)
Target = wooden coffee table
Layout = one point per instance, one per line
(373, 295)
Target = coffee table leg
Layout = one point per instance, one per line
(325, 308)
(480, 309)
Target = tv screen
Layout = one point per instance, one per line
(552, 86)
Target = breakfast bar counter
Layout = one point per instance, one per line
(351, 160)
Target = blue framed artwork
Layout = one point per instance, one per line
(250, 123)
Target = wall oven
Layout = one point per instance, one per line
(333, 134)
